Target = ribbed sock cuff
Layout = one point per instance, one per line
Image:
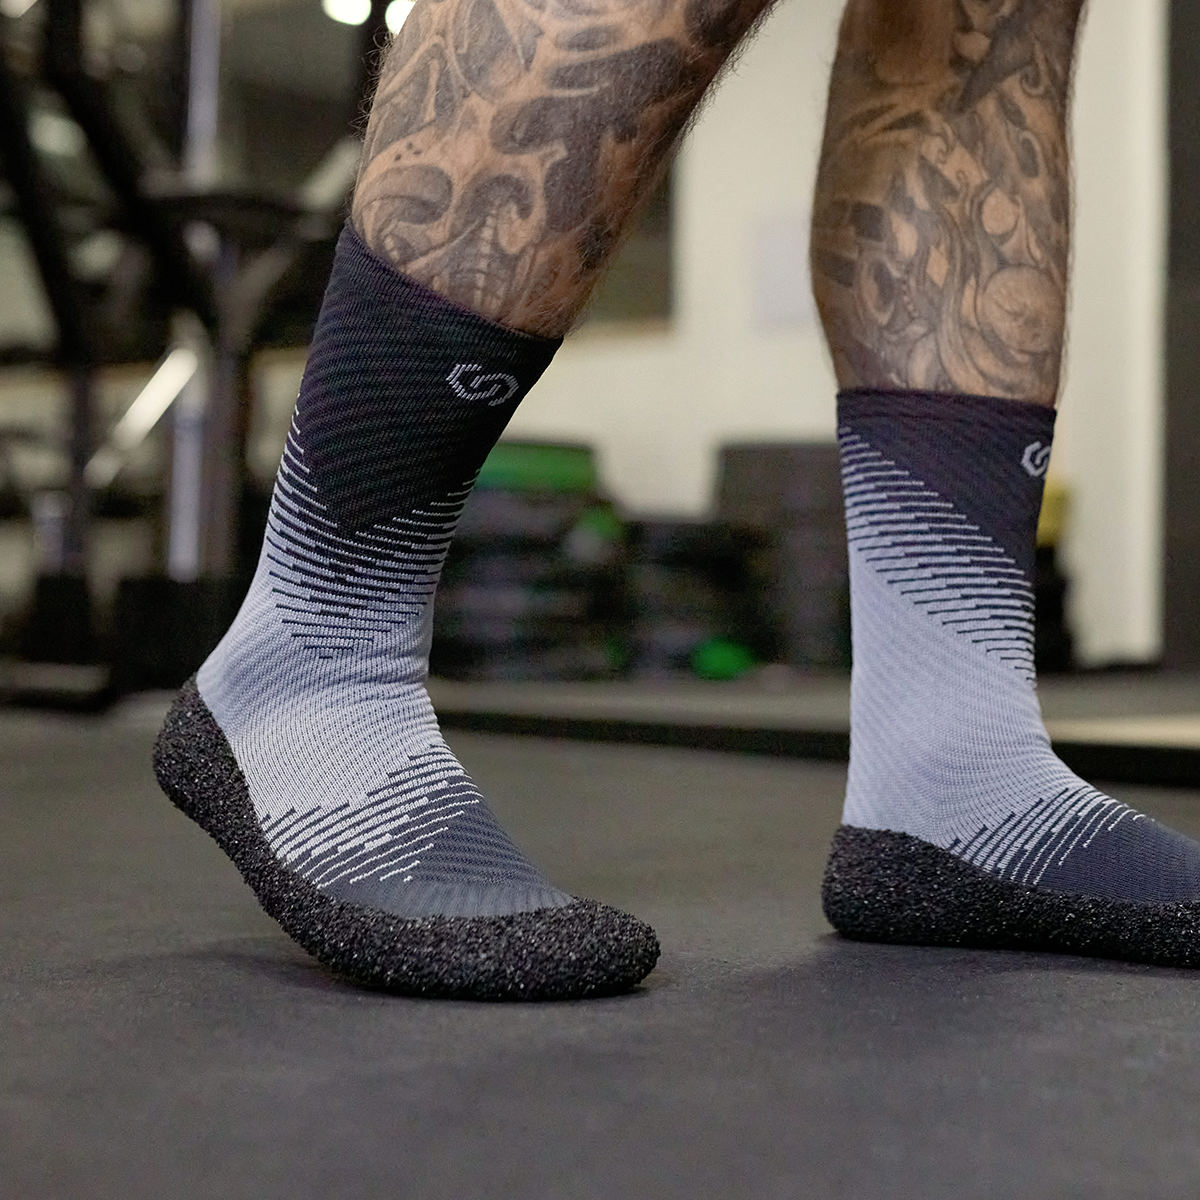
(405, 392)
(986, 455)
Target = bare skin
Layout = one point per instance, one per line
(941, 223)
(510, 141)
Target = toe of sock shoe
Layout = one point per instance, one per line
(578, 950)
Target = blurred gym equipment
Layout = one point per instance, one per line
(215, 262)
(531, 587)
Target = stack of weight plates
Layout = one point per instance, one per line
(532, 583)
(790, 494)
(689, 608)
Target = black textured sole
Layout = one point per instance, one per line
(582, 949)
(891, 887)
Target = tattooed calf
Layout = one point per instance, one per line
(510, 139)
(941, 224)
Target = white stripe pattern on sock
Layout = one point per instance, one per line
(918, 543)
(948, 740)
(319, 689)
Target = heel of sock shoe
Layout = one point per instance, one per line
(882, 886)
(193, 763)
(196, 768)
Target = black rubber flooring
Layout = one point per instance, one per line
(159, 1038)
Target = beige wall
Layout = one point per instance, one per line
(1112, 413)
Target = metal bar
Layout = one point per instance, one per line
(148, 407)
(203, 95)
(185, 503)
(87, 102)
(219, 431)
(38, 211)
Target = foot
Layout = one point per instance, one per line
(961, 826)
(1098, 879)
(369, 909)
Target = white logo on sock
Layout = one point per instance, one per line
(1036, 459)
(494, 388)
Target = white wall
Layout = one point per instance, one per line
(743, 357)
(1111, 415)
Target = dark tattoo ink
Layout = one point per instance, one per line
(510, 140)
(941, 221)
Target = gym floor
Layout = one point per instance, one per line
(162, 1039)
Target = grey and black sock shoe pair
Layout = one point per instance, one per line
(307, 746)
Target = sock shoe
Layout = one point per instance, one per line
(307, 745)
(961, 826)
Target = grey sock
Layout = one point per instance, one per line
(318, 689)
(319, 686)
(948, 748)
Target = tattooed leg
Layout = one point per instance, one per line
(940, 264)
(941, 221)
(511, 140)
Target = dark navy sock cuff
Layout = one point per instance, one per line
(953, 408)
(405, 391)
(987, 455)
(392, 286)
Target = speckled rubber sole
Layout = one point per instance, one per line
(891, 887)
(579, 950)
